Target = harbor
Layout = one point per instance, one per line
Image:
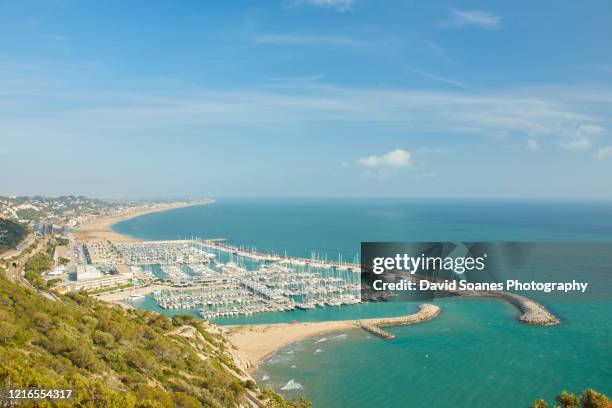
(213, 280)
(218, 280)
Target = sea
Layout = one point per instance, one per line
(475, 353)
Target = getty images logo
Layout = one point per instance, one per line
(412, 264)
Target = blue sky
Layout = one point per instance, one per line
(342, 98)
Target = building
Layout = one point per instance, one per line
(86, 272)
(60, 251)
(104, 281)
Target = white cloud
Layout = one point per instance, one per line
(533, 145)
(580, 139)
(590, 129)
(394, 159)
(462, 18)
(604, 152)
(338, 5)
(575, 145)
(61, 105)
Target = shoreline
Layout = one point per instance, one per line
(253, 344)
(100, 228)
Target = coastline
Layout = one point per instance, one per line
(100, 228)
(255, 343)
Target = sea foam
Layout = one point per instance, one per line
(292, 385)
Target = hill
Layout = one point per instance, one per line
(11, 234)
(113, 357)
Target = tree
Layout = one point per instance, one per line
(568, 400)
(589, 399)
(593, 399)
(539, 403)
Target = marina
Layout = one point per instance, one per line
(219, 280)
(215, 280)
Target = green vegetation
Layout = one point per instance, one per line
(588, 399)
(30, 214)
(276, 401)
(115, 357)
(36, 265)
(39, 263)
(52, 282)
(11, 234)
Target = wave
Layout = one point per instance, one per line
(292, 385)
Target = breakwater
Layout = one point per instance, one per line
(426, 312)
(256, 342)
(531, 311)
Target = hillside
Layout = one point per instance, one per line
(11, 234)
(118, 358)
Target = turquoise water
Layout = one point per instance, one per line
(474, 354)
(334, 227)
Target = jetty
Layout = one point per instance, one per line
(254, 343)
(426, 312)
(531, 311)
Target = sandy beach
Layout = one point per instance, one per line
(255, 343)
(100, 228)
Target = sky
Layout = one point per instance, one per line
(307, 98)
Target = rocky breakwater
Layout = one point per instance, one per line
(426, 312)
(531, 311)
